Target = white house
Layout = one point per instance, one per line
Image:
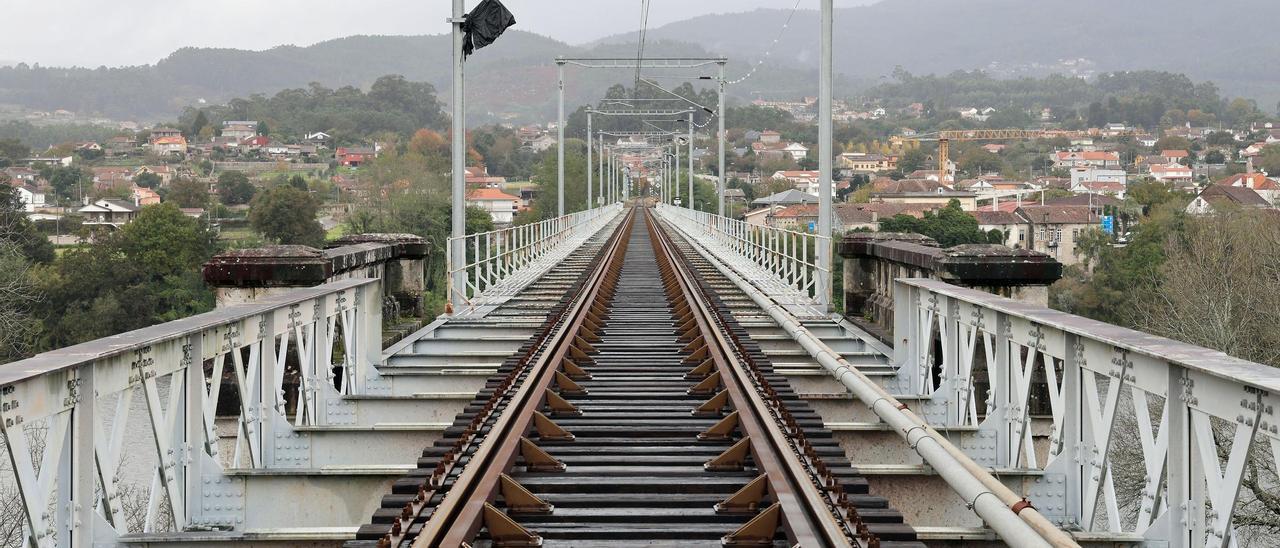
(31, 197)
(1171, 173)
(501, 206)
(1096, 174)
(1240, 196)
(240, 129)
(115, 213)
(797, 151)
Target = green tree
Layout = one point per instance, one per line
(67, 181)
(12, 150)
(1269, 161)
(201, 121)
(16, 229)
(950, 226)
(977, 160)
(1147, 194)
(148, 180)
(188, 193)
(234, 188)
(287, 215)
(146, 273)
(1173, 142)
(299, 182)
(164, 241)
(912, 160)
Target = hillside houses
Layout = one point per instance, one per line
(770, 147)
(1083, 158)
(239, 129)
(864, 162)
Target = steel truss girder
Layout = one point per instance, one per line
(651, 62)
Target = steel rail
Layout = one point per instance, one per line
(1004, 512)
(808, 519)
(808, 500)
(457, 518)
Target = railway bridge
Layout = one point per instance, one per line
(635, 375)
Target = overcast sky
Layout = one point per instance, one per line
(126, 32)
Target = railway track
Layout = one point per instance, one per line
(640, 413)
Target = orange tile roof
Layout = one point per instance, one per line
(480, 194)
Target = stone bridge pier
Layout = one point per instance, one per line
(873, 260)
(398, 260)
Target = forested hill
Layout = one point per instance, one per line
(1225, 41)
(515, 78)
(162, 90)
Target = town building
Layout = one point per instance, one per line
(163, 131)
(867, 216)
(863, 162)
(1097, 174)
(165, 173)
(920, 191)
(31, 197)
(355, 156)
(500, 206)
(785, 198)
(1266, 187)
(799, 218)
(1215, 197)
(1174, 156)
(165, 146)
(1171, 173)
(1015, 228)
(478, 176)
(109, 212)
(1055, 230)
(1085, 158)
(240, 129)
(803, 180)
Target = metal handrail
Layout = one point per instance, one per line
(1214, 412)
(329, 335)
(791, 256)
(494, 256)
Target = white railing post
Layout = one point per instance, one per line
(193, 416)
(84, 482)
(1072, 421)
(1002, 390)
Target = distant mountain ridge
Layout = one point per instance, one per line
(1224, 41)
(514, 79)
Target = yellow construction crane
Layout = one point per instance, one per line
(944, 139)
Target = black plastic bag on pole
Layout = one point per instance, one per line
(485, 24)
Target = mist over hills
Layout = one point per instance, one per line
(515, 78)
(1223, 41)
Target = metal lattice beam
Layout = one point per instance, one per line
(650, 63)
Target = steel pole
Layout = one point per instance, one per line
(666, 178)
(675, 180)
(603, 174)
(560, 144)
(590, 201)
(458, 250)
(720, 180)
(824, 160)
(690, 204)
